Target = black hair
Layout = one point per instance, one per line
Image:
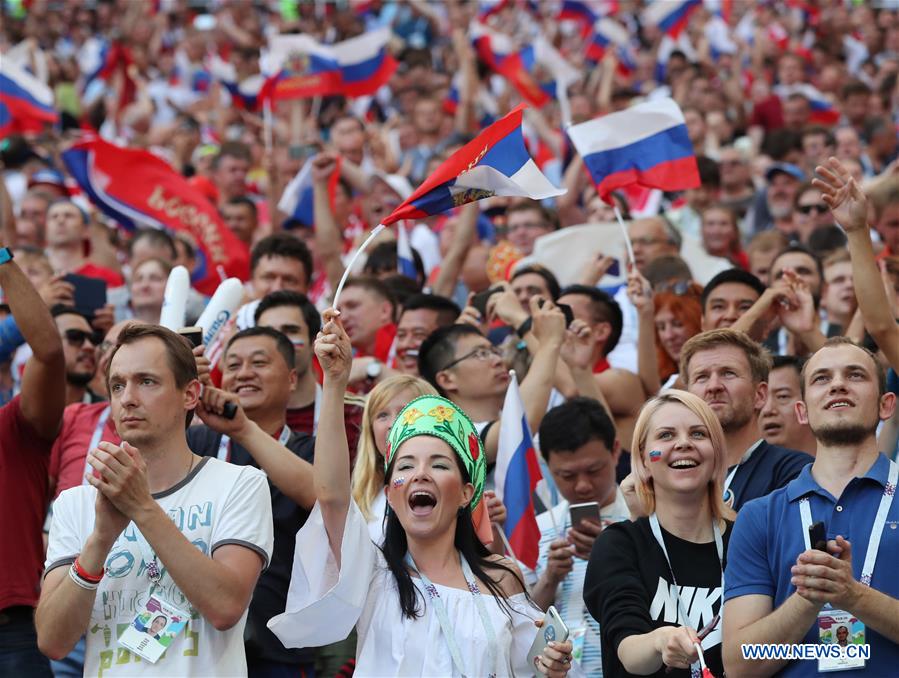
(732, 275)
(383, 258)
(61, 309)
(439, 349)
(401, 287)
(466, 542)
(282, 343)
(552, 284)
(800, 249)
(282, 245)
(290, 298)
(825, 240)
(573, 424)
(446, 309)
(157, 237)
(709, 174)
(794, 361)
(604, 309)
(244, 200)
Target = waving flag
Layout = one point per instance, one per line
(606, 33)
(822, 111)
(297, 200)
(136, 188)
(302, 67)
(26, 104)
(405, 263)
(244, 93)
(579, 12)
(495, 162)
(646, 144)
(671, 16)
(517, 474)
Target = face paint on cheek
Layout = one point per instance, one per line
(655, 455)
(398, 482)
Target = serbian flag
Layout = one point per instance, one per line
(303, 67)
(297, 200)
(517, 474)
(26, 104)
(495, 162)
(405, 262)
(646, 144)
(670, 16)
(137, 188)
(606, 33)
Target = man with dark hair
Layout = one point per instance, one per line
(122, 523)
(241, 216)
(577, 440)
(465, 367)
(534, 280)
(294, 315)
(79, 344)
(258, 374)
(280, 262)
(68, 242)
(729, 371)
(229, 170)
(367, 311)
(526, 221)
(773, 596)
(728, 296)
(382, 263)
(421, 315)
(622, 389)
(28, 424)
(778, 420)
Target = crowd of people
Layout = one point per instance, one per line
(314, 492)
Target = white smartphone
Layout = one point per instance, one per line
(579, 512)
(553, 629)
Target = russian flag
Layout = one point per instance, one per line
(606, 32)
(297, 200)
(302, 67)
(488, 8)
(27, 103)
(646, 144)
(822, 111)
(405, 263)
(670, 16)
(517, 474)
(495, 162)
(579, 12)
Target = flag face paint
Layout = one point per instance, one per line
(398, 482)
(655, 455)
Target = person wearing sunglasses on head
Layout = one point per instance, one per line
(79, 343)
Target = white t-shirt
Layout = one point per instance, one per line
(216, 504)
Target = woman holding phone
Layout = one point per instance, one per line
(432, 601)
(638, 569)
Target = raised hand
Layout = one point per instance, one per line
(323, 166)
(797, 313)
(577, 348)
(549, 322)
(211, 410)
(639, 291)
(842, 194)
(332, 348)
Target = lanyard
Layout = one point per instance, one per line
(96, 437)
(883, 510)
(443, 619)
(730, 476)
(317, 408)
(695, 668)
(224, 452)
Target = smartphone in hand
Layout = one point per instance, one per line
(553, 629)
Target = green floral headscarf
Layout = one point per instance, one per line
(431, 415)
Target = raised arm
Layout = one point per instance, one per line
(639, 292)
(849, 205)
(328, 239)
(331, 469)
(43, 389)
(463, 238)
(7, 217)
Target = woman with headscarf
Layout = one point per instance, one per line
(432, 601)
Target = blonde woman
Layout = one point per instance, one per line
(654, 584)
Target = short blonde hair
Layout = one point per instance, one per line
(368, 473)
(643, 479)
(757, 356)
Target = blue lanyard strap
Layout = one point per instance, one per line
(443, 618)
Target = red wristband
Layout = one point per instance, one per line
(85, 575)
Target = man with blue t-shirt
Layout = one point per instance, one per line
(778, 588)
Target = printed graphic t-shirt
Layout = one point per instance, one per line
(216, 504)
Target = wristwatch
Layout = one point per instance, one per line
(5, 255)
(373, 371)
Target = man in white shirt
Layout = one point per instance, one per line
(157, 531)
(577, 439)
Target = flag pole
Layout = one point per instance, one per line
(349, 267)
(506, 544)
(627, 239)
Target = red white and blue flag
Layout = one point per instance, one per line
(301, 67)
(405, 262)
(671, 16)
(245, 94)
(822, 111)
(607, 34)
(517, 474)
(26, 104)
(646, 144)
(137, 188)
(297, 200)
(580, 12)
(495, 162)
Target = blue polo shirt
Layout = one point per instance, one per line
(767, 539)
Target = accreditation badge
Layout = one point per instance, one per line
(840, 629)
(153, 629)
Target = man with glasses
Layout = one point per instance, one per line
(292, 314)
(527, 221)
(79, 342)
(465, 367)
(810, 213)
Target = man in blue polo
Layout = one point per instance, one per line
(778, 589)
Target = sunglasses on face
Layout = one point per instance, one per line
(76, 337)
(817, 209)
